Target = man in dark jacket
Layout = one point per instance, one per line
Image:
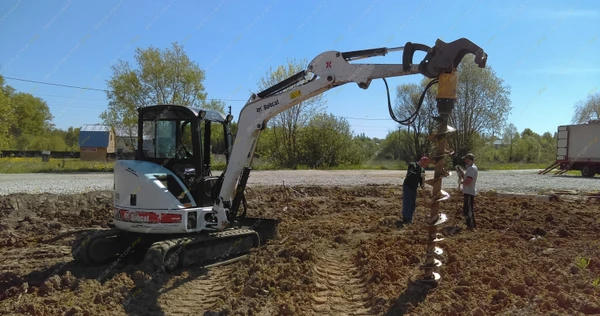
(415, 177)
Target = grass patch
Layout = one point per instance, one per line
(36, 165)
(75, 165)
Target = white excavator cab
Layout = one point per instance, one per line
(178, 138)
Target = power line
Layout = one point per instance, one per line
(56, 84)
(103, 90)
(67, 97)
(92, 89)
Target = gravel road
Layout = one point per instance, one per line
(515, 181)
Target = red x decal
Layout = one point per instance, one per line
(328, 64)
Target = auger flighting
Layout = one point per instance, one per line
(446, 98)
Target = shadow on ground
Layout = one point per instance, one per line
(415, 293)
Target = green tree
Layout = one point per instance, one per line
(395, 146)
(31, 115)
(161, 77)
(548, 144)
(26, 122)
(586, 110)
(366, 147)
(482, 106)
(326, 141)
(527, 149)
(547, 153)
(217, 137)
(6, 89)
(265, 145)
(51, 142)
(530, 133)
(72, 138)
(510, 132)
(286, 126)
(486, 150)
(6, 114)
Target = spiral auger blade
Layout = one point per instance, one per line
(436, 216)
(442, 62)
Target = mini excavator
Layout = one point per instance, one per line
(172, 212)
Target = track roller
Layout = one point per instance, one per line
(201, 249)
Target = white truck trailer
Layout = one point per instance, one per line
(578, 148)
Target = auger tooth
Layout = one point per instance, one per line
(434, 250)
(438, 136)
(435, 278)
(435, 237)
(441, 197)
(440, 219)
(431, 263)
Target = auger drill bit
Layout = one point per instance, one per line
(445, 103)
(441, 62)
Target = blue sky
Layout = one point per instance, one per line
(543, 49)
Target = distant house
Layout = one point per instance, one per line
(122, 141)
(126, 140)
(498, 143)
(95, 142)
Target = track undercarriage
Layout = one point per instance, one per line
(160, 252)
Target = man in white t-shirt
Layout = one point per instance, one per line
(469, 190)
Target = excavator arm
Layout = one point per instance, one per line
(329, 70)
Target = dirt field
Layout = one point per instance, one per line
(338, 253)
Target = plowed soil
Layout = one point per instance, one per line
(338, 252)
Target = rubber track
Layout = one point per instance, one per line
(155, 256)
(79, 249)
(340, 288)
